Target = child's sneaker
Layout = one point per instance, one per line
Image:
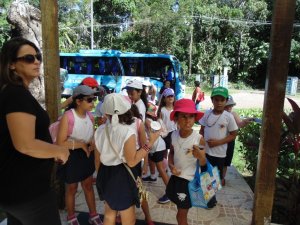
(72, 221)
(95, 220)
(164, 199)
(149, 179)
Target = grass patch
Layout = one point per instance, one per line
(238, 161)
(240, 164)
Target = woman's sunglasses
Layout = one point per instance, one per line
(90, 99)
(30, 58)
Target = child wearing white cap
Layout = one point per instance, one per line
(138, 96)
(116, 144)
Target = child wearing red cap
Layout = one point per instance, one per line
(91, 82)
(183, 156)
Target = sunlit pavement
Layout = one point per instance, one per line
(234, 206)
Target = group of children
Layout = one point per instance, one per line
(134, 131)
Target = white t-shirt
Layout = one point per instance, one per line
(165, 115)
(142, 108)
(217, 127)
(185, 163)
(119, 135)
(83, 129)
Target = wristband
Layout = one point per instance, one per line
(146, 148)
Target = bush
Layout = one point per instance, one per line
(249, 137)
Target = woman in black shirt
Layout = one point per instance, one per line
(26, 151)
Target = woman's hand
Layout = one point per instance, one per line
(63, 155)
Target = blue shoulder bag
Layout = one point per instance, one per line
(204, 186)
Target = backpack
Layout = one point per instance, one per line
(53, 128)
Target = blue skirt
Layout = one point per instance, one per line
(116, 187)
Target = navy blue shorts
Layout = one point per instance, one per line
(217, 161)
(178, 192)
(157, 156)
(229, 153)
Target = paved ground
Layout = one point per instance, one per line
(247, 99)
(234, 206)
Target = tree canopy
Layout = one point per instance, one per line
(210, 33)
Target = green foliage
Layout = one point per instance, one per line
(249, 137)
(240, 85)
(221, 32)
(4, 26)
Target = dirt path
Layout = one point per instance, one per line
(247, 99)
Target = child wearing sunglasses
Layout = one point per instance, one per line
(80, 166)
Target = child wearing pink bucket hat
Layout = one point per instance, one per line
(186, 106)
(187, 146)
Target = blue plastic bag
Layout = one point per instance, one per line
(203, 187)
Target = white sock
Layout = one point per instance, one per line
(153, 176)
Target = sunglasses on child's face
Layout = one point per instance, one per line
(90, 99)
(29, 58)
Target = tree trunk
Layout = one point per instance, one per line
(282, 26)
(26, 22)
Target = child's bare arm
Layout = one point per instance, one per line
(171, 157)
(199, 154)
(171, 162)
(214, 142)
(145, 165)
(202, 130)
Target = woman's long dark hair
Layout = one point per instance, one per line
(8, 55)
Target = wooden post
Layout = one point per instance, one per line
(51, 56)
(282, 26)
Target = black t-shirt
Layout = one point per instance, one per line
(22, 177)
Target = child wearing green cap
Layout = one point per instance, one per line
(218, 128)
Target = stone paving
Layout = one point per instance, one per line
(234, 206)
